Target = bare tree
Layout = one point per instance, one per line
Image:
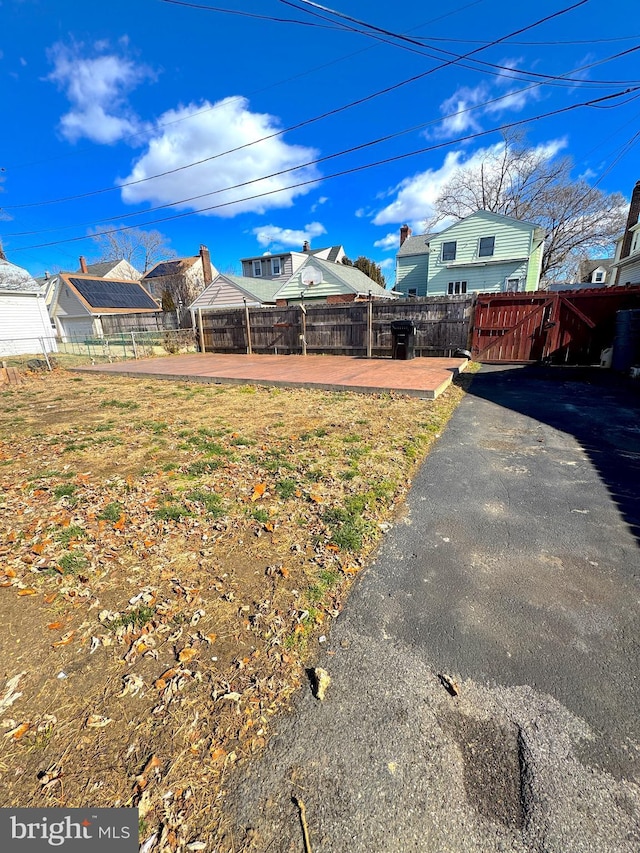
(532, 186)
(141, 248)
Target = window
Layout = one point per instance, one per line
(635, 245)
(598, 276)
(486, 247)
(257, 269)
(513, 285)
(449, 251)
(457, 287)
(275, 266)
(413, 291)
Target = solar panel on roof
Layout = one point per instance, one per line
(106, 293)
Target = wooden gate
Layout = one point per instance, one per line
(569, 327)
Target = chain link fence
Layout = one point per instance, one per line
(46, 353)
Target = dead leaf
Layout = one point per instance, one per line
(27, 591)
(64, 640)
(187, 654)
(95, 721)
(258, 491)
(19, 731)
(54, 626)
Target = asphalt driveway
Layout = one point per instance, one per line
(513, 574)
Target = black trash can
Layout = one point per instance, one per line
(403, 339)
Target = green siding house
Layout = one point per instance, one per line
(482, 253)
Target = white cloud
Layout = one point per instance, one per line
(96, 87)
(415, 196)
(322, 200)
(391, 241)
(464, 109)
(213, 128)
(279, 238)
(387, 264)
(456, 109)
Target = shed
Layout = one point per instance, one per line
(25, 327)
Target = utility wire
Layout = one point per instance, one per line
(145, 133)
(301, 124)
(297, 167)
(456, 57)
(593, 102)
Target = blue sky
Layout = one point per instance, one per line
(99, 98)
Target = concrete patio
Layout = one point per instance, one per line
(418, 377)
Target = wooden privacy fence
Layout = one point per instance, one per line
(566, 327)
(356, 328)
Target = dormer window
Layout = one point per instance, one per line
(449, 251)
(486, 247)
(276, 269)
(598, 276)
(257, 269)
(635, 244)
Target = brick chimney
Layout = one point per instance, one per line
(305, 246)
(632, 219)
(405, 232)
(83, 264)
(3, 257)
(206, 265)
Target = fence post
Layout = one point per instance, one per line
(303, 336)
(44, 352)
(135, 348)
(369, 326)
(246, 316)
(203, 347)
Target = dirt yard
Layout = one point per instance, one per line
(171, 555)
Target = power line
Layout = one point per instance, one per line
(457, 57)
(290, 169)
(591, 103)
(309, 121)
(144, 133)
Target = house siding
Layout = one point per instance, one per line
(512, 249)
(412, 272)
(330, 286)
(24, 321)
(629, 273)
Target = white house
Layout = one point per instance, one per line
(25, 326)
(626, 263)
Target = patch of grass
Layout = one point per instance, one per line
(357, 452)
(172, 512)
(69, 534)
(259, 514)
(120, 404)
(349, 474)
(209, 500)
(314, 475)
(137, 618)
(239, 441)
(73, 562)
(64, 490)
(351, 439)
(286, 488)
(111, 512)
(203, 466)
(274, 460)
